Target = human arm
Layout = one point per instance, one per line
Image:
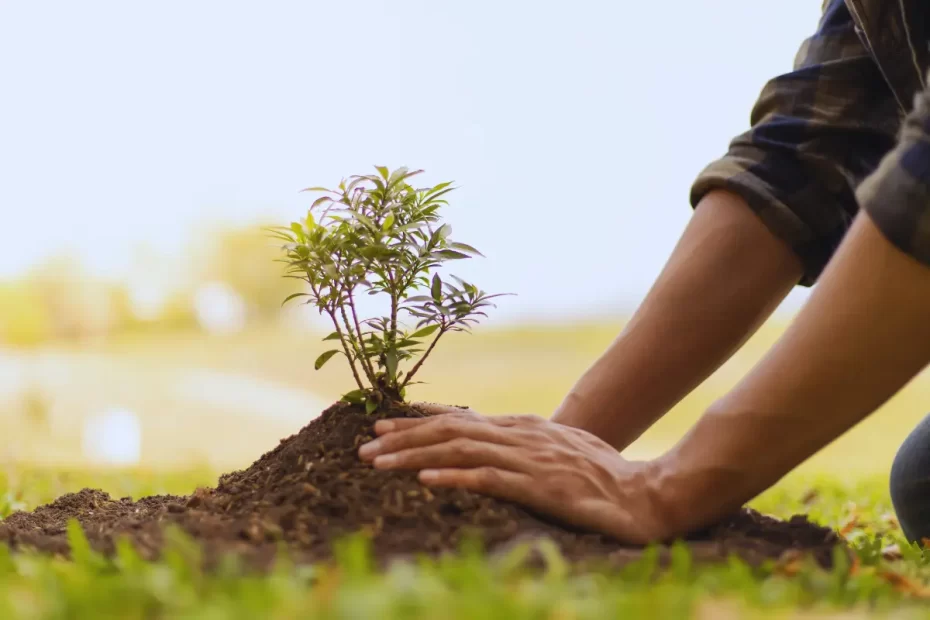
(690, 322)
(796, 171)
(816, 132)
(862, 336)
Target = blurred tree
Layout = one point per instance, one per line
(24, 319)
(35, 408)
(76, 305)
(244, 259)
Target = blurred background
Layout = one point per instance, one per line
(143, 146)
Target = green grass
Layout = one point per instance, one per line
(496, 371)
(468, 586)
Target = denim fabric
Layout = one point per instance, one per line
(910, 483)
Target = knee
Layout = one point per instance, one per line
(910, 483)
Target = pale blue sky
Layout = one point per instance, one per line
(574, 129)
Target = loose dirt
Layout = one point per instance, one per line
(312, 490)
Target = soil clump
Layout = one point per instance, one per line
(312, 489)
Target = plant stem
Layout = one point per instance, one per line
(416, 367)
(393, 332)
(345, 348)
(357, 335)
(342, 338)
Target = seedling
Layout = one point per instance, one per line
(378, 235)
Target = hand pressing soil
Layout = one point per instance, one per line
(312, 489)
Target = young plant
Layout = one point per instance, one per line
(378, 235)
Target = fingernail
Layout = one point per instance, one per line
(384, 426)
(369, 449)
(429, 475)
(385, 461)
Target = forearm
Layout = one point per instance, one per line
(724, 278)
(862, 336)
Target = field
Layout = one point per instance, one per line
(34, 587)
(495, 371)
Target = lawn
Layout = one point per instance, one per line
(469, 586)
(496, 371)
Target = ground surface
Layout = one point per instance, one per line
(312, 489)
(523, 370)
(39, 587)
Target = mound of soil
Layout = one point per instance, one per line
(312, 489)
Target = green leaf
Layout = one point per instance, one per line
(316, 189)
(556, 566)
(397, 175)
(370, 406)
(388, 222)
(320, 201)
(330, 270)
(390, 362)
(364, 219)
(464, 247)
(436, 192)
(426, 331)
(332, 336)
(383, 171)
(325, 357)
(128, 558)
(355, 397)
(81, 552)
(436, 289)
(444, 231)
(438, 188)
(451, 254)
(294, 296)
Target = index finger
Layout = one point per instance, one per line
(432, 431)
(391, 425)
(437, 409)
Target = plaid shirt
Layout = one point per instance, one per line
(848, 126)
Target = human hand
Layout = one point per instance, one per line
(564, 472)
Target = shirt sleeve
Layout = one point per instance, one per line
(815, 134)
(897, 195)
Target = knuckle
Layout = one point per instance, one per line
(487, 477)
(537, 437)
(547, 456)
(391, 442)
(461, 446)
(507, 420)
(445, 428)
(404, 458)
(523, 420)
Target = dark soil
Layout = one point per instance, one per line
(312, 489)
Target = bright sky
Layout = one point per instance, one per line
(573, 129)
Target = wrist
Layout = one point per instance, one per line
(567, 411)
(590, 411)
(671, 501)
(699, 480)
